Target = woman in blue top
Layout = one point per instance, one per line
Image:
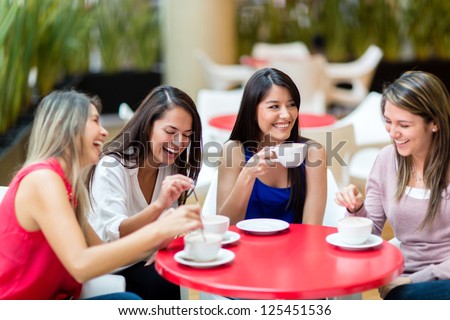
(253, 186)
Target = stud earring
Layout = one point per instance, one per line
(434, 129)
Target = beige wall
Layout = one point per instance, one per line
(191, 24)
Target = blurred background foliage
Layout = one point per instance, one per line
(342, 30)
(44, 41)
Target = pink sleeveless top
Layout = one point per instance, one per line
(29, 269)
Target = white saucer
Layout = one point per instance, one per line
(230, 237)
(262, 226)
(223, 257)
(372, 242)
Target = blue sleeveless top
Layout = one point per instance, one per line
(269, 202)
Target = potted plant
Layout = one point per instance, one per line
(126, 36)
(53, 42)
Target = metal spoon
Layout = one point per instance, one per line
(201, 214)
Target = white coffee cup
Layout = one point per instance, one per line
(354, 230)
(216, 224)
(202, 247)
(289, 154)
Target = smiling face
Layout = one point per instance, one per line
(411, 135)
(94, 137)
(276, 115)
(170, 136)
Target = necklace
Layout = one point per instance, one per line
(414, 175)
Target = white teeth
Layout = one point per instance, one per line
(171, 150)
(401, 142)
(281, 125)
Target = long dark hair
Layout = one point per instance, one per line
(130, 145)
(425, 95)
(246, 129)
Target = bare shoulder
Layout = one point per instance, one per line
(316, 151)
(43, 184)
(233, 157)
(231, 146)
(40, 193)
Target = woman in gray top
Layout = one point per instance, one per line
(409, 185)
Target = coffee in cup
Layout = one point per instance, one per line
(290, 154)
(216, 224)
(354, 230)
(202, 247)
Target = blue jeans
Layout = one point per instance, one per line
(430, 290)
(117, 296)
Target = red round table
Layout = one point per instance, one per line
(226, 122)
(294, 264)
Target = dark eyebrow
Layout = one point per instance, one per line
(276, 101)
(175, 128)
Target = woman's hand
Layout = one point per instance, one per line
(171, 189)
(177, 221)
(260, 163)
(350, 198)
(384, 290)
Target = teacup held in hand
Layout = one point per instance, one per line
(216, 224)
(290, 155)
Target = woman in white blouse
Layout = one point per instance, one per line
(149, 167)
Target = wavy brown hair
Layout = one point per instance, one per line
(130, 146)
(425, 95)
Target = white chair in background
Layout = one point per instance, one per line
(333, 212)
(308, 73)
(340, 139)
(212, 103)
(105, 284)
(204, 179)
(358, 73)
(269, 51)
(222, 76)
(394, 241)
(367, 120)
(125, 112)
(370, 135)
(209, 208)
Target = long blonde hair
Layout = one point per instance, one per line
(423, 94)
(58, 131)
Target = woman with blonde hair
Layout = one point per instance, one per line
(48, 249)
(409, 185)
